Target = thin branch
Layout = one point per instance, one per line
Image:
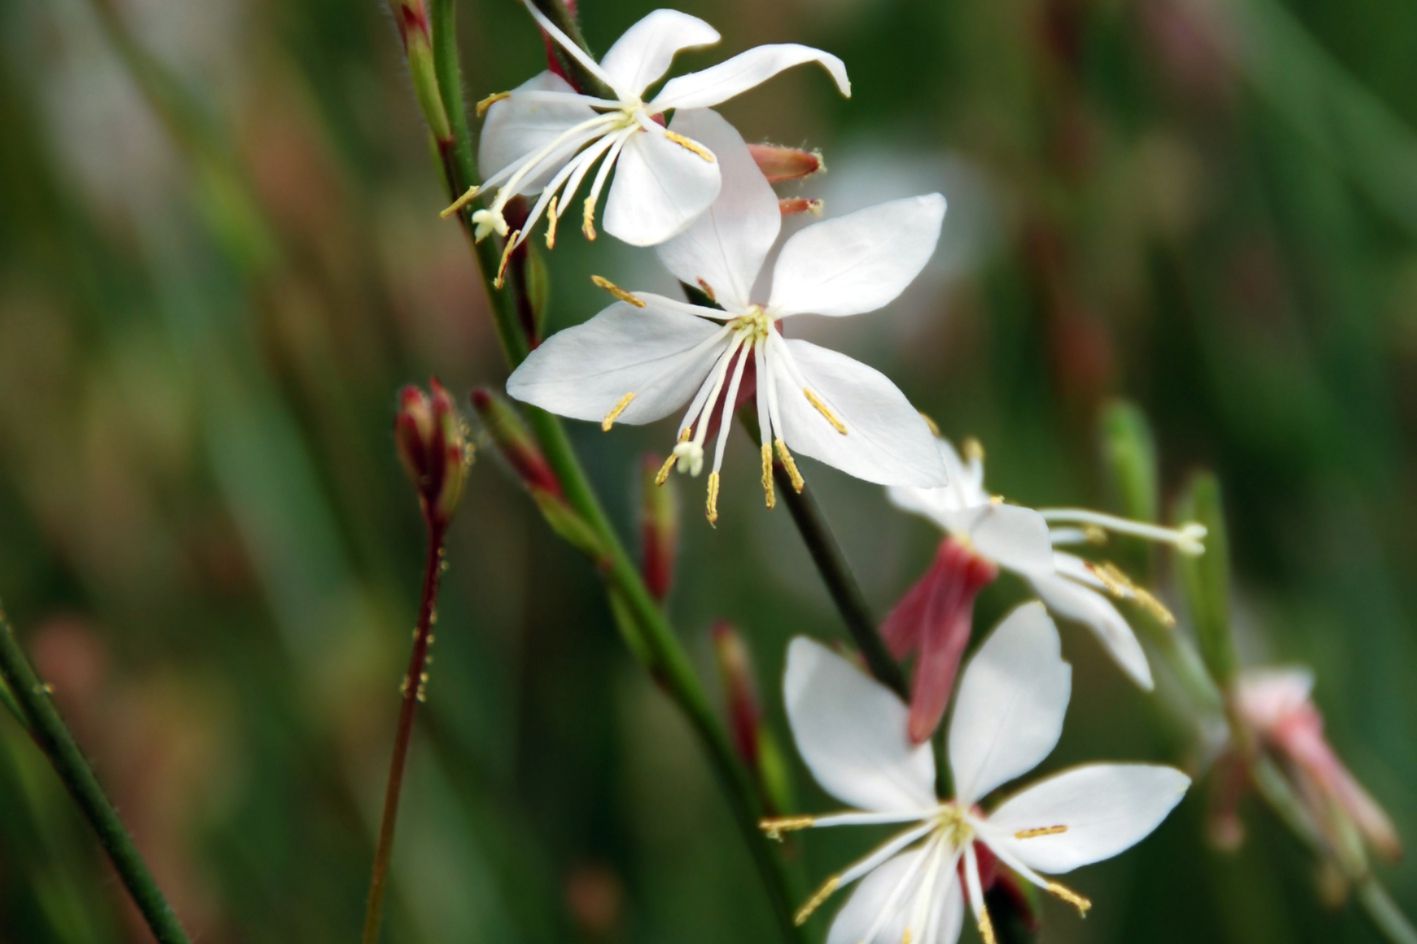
(52, 736)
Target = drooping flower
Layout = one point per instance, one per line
(1277, 705)
(1008, 715)
(643, 357)
(546, 137)
(983, 532)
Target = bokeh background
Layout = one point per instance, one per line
(220, 258)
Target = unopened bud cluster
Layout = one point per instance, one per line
(432, 445)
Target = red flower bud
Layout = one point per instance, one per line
(779, 163)
(659, 529)
(430, 440)
(515, 443)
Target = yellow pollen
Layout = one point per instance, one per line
(986, 928)
(616, 410)
(491, 100)
(552, 218)
(588, 218)
(1040, 831)
(790, 465)
(1070, 896)
(707, 289)
(816, 401)
(467, 197)
(1120, 585)
(662, 475)
(973, 449)
(711, 507)
(501, 278)
(769, 496)
(1094, 535)
(931, 424)
(692, 146)
(816, 901)
(906, 937)
(774, 828)
(617, 291)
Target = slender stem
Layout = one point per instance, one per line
(835, 572)
(412, 691)
(667, 662)
(49, 732)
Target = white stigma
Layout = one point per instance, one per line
(691, 457)
(488, 221)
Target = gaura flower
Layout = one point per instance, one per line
(545, 136)
(643, 357)
(982, 532)
(1008, 715)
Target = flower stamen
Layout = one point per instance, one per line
(1040, 831)
(692, 146)
(816, 401)
(468, 195)
(1121, 586)
(609, 286)
(489, 101)
(615, 411)
(986, 928)
(790, 465)
(1071, 897)
(774, 828)
(711, 506)
(553, 216)
(501, 278)
(818, 898)
(769, 496)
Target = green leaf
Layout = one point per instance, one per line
(1206, 577)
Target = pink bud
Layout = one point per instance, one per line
(736, 671)
(779, 163)
(933, 620)
(659, 528)
(428, 435)
(795, 206)
(513, 441)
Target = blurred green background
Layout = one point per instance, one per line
(220, 258)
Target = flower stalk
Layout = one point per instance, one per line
(46, 727)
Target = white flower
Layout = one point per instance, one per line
(545, 136)
(1008, 715)
(1023, 541)
(642, 358)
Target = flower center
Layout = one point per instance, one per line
(753, 325)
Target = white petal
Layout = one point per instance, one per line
(516, 127)
(1014, 537)
(869, 899)
(645, 50)
(931, 503)
(886, 440)
(851, 732)
(1106, 808)
(660, 188)
(725, 248)
(661, 356)
(709, 87)
(1008, 714)
(882, 889)
(1073, 601)
(858, 262)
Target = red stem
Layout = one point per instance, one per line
(412, 693)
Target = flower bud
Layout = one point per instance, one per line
(752, 739)
(779, 163)
(429, 437)
(514, 442)
(659, 529)
(412, 16)
(796, 206)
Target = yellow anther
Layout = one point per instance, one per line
(986, 928)
(468, 195)
(553, 216)
(906, 937)
(588, 218)
(491, 100)
(692, 146)
(1070, 896)
(501, 278)
(1121, 586)
(816, 901)
(774, 828)
(1040, 831)
(769, 496)
(711, 507)
(662, 475)
(816, 401)
(707, 289)
(930, 423)
(973, 449)
(1094, 535)
(790, 465)
(616, 410)
(617, 291)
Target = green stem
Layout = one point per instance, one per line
(835, 571)
(667, 662)
(53, 738)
